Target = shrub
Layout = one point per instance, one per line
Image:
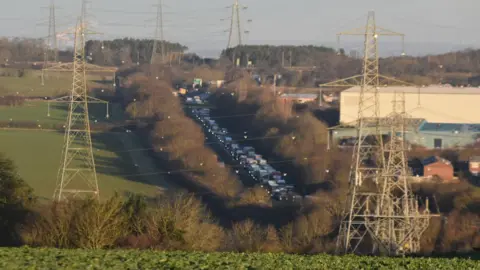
(16, 197)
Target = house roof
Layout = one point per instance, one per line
(435, 159)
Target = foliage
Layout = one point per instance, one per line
(168, 222)
(271, 56)
(128, 50)
(298, 137)
(21, 49)
(11, 100)
(23, 258)
(175, 137)
(79, 223)
(15, 198)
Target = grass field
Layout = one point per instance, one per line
(37, 156)
(37, 111)
(31, 86)
(54, 84)
(42, 258)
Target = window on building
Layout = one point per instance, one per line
(437, 143)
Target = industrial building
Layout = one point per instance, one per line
(435, 104)
(442, 117)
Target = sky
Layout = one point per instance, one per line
(430, 26)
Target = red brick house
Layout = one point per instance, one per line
(437, 167)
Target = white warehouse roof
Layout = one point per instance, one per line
(435, 104)
(431, 89)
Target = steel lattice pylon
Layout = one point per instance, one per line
(69, 67)
(158, 35)
(365, 165)
(51, 44)
(389, 215)
(235, 19)
(397, 224)
(77, 173)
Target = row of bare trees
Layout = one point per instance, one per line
(11, 100)
(297, 140)
(175, 222)
(176, 138)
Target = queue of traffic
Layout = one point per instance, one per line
(247, 159)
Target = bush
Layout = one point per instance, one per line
(16, 197)
(11, 100)
(79, 224)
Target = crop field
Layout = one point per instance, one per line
(37, 111)
(32, 258)
(37, 155)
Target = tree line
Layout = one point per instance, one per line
(127, 50)
(456, 68)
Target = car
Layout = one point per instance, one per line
(280, 196)
(270, 186)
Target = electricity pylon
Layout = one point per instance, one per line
(235, 20)
(51, 44)
(158, 35)
(368, 212)
(77, 174)
(398, 223)
(68, 67)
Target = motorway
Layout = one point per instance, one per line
(226, 158)
(212, 142)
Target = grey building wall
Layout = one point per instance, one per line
(424, 138)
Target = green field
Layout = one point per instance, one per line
(37, 111)
(31, 86)
(54, 84)
(30, 258)
(37, 156)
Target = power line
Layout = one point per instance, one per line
(180, 12)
